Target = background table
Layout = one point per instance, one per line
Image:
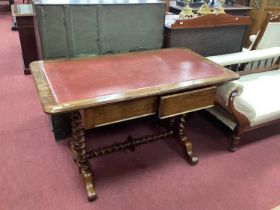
(23, 15)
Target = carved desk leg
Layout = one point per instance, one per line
(78, 145)
(178, 124)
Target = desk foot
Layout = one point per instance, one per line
(178, 124)
(78, 148)
(91, 193)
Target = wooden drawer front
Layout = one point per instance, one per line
(189, 101)
(119, 112)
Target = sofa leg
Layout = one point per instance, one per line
(234, 143)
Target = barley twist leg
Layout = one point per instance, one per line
(178, 124)
(78, 147)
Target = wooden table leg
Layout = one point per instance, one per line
(78, 148)
(178, 124)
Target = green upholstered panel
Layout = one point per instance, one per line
(82, 32)
(68, 31)
(52, 31)
(130, 27)
(77, 30)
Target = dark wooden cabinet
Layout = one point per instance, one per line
(23, 15)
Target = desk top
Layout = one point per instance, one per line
(71, 84)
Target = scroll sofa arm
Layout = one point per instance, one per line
(225, 96)
(226, 91)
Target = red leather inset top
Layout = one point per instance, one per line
(72, 80)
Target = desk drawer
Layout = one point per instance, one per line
(185, 102)
(117, 112)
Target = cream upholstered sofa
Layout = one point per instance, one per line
(253, 100)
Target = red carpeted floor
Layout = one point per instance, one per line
(37, 173)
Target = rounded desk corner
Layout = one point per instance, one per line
(50, 110)
(47, 110)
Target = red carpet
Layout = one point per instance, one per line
(37, 173)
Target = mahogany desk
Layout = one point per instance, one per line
(113, 88)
